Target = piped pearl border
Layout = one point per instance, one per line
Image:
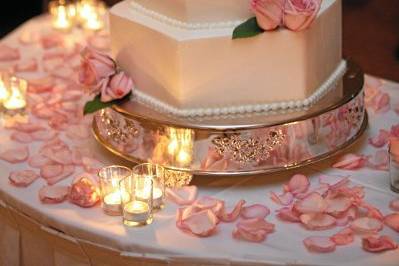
(327, 86)
(181, 24)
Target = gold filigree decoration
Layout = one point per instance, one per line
(355, 113)
(120, 131)
(176, 179)
(248, 150)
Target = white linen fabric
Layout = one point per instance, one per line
(32, 233)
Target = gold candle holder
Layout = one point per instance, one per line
(157, 174)
(16, 100)
(137, 210)
(112, 195)
(62, 14)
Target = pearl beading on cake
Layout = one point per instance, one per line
(181, 24)
(327, 86)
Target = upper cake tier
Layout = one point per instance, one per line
(183, 59)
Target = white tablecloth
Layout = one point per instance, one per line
(32, 233)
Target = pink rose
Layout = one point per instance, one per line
(116, 87)
(269, 13)
(95, 67)
(299, 14)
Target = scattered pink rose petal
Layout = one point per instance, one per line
(202, 223)
(381, 139)
(366, 225)
(182, 196)
(51, 170)
(379, 161)
(338, 205)
(381, 102)
(8, 53)
(67, 170)
(15, 155)
(253, 230)
(44, 135)
(233, 214)
(297, 184)
(372, 211)
(84, 192)
(256, 224)
(333, 182)
(343, 237)
(26, 66)
(317, 221)
(38, 161)
(319, 244)
(350, 161)
(394, 204)
(91, 165)
(313, 203)
(53, 194)
(23, 178)
(27, 127)
(52, 40)
(344, 218)
(378, 244)
(392, 221)
(78, 132)
(21, 137)
(255, 211)
(288, 214)
(283, 199)
(41, 85)
(211, 158)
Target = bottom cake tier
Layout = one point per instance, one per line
(236, 145)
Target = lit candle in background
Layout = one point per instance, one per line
(91, 14)
(180, 146)
(62, 15)
(136, 213)
(4, 92)
(113, 201)
(16, 99)
(157, 194)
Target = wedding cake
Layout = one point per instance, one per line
(184, 61)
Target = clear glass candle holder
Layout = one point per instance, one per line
(4, 87)
(111, 194)
(137, 210)
(62, 14)
(394, 164)
(16, 100)
(157, 174)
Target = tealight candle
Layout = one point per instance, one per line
(157, 197)
(17, 98)
(62, 15)
(112, 202)
(4, 92)
(136, 213)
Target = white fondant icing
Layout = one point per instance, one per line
(327, 86)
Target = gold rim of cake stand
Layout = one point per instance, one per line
(353, 82)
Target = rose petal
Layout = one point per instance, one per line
(42, 135)
(38, 161)
(394, 204)
(338, 205)
(51, 170)
(381, 139)
(288, 214)
(15, 155)
(202, 223)
(255, 211)
(378, 244)
(366, 225)
(333, 182)
(91, 165)
(26, 127)
(78, 132)
(67, 171)
(84, 192)
(344, 218)
(232, 215)
(251, 236)
(41, 85)
(182, 196)
(317, 221)
(372, 211)
(379, 161)
(255, 224)
(26, 66)
(297, 184)
(8, 53)
(283, 199)
(21, 137)
(350, 162)
(313, 203)
(53, 194)
(343, 237)
(23, 178)
(392, 221)
(319, 244)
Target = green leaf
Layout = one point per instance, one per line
(96, 104)
(247, 29)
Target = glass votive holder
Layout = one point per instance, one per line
(16, 100)
(137, 211)
(157, 174)
(4, 87)
(111, 194)
(62, 14)
(394, 164)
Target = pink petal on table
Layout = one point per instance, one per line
(84, 192)
(297, 184)
(202, 223)
(26, 66)
(255, 211)
(182, 196)
(53, 194)
(381, 102)
(288, 214)
(91, 165)
(233, 214)
(256, 224)
(319, 244)
(381, 139)
(338, 205)
(392, 221)
(28, 37)
(379, 161)
(64, 72)
(394, 131)
(41, 85)
(8, 53)
(15, 155)
(251, 236)
(378, 244)
(283, 199)
(372, 211)
(62, 155)
(23, 178)
(51, 170)
(67, 171)
(344, 218)
(72, 95)
(52, 40)
(333, 182)
(43, 112)
(38, 161)
(313, 203)
(206, 202)
(77, 157)
(343, 237)
(58, 121)
(394, 204)
(366, 225)
(44, 135)
(78, 132)
(322, 190)
(317, 221)
(26, 127)
(21, 137)
(350, 161)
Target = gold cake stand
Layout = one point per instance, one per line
(253, 143)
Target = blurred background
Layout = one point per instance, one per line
(371, 31)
